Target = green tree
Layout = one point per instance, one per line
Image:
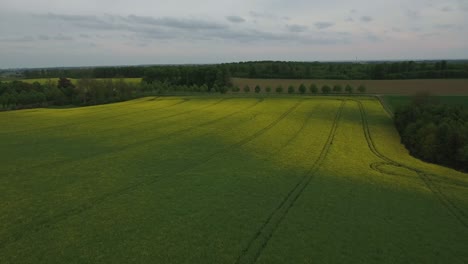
(326, 89)
(313, 88)
(302, 88)
(337, 88)
(257, 89)
(349, 89)
(291, 89)
(203, 88)
(67, 88)
(279, 89)
(4, 101)
(223, 89)
(268, 89)
(246, 89)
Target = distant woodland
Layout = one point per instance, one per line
(435, 132)
(207, 74)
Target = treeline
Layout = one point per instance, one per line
(435, 132)
(349, 71)
(20, 95)
(220, 74)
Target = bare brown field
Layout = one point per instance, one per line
(400, 87)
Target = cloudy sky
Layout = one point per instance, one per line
(44, 33)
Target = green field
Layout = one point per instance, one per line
(223, 180)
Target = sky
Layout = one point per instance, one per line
(54, 33)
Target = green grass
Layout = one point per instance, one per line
(223, 180)
(396, 101)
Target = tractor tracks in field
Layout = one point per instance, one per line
(177, 132)
(48, 222)
(446, 202)
(143, 142)
(262, 236)
(158, 118)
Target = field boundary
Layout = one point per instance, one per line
(452, 208)
(263, 235)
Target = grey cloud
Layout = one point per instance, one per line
(43, 37)
(69, 18)
(175, 22)
(145, 28)
(446, 9)
(296, 28)
(323, 25)
(413, 14)
(269, 16)
(463, 5)
(56, 37)
(62, 37)
(18, 39)
(373, 38)
(448, 27)
(366, 19)
(429, 35)
(235, 19)
(349, 19)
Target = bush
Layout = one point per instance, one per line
(246, 89)
(291, 89)
(268, 89)
(279, 89)
(349, 89)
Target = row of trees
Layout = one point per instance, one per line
(219, 74)
(434, 132)
(302, 89)
(18, 95)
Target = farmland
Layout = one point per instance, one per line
(223, 179)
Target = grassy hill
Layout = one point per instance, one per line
(223, 180)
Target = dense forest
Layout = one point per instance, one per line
(435, 132)
(210, 74)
